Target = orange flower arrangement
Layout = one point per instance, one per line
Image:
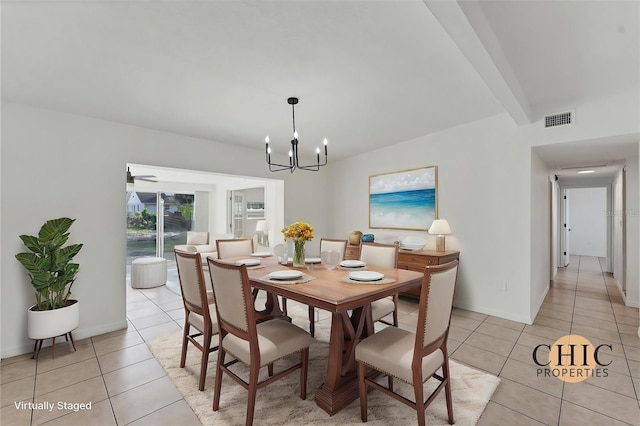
(299, 231)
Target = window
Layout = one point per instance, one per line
(255, 209)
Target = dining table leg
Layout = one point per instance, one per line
(271, 309)
(340, 387)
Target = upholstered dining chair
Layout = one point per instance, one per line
(326, 244)
(414, 357)
(256, 345)
(386, 256)
(199, 313)
(234, 247)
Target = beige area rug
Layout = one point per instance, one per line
(279, 403)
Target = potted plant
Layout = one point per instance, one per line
(52, 272)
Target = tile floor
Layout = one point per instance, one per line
(126, 386)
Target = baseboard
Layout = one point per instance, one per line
(79, 333)
(83, 333)
(540, 302)
(496, 313)
(627, 302)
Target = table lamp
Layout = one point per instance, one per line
(440, 227)
(262, 229)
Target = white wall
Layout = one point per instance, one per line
(201, 211)
(633, 233)
(483, 181)
(588, 221)
(617, 215)
(55, 164)
(540, 231)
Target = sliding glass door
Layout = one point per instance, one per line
(156, 222)
(176, 221)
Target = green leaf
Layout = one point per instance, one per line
(32, 262)
(67, 253)
(54, 228)
(32, 243)
(42, 281)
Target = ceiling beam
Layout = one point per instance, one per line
(468, 28)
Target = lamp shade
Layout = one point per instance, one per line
(440, 227)
(262, 226)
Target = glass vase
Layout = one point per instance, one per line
(298, 253)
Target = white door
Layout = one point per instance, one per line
(235, 214)
(566, 229)
(589, 221)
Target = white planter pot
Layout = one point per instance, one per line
(53, 323)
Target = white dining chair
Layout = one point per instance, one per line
(414, 357)
(385, 256)
(255, 345)
(234, 247)
(199, 313)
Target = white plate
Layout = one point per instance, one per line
(289, 274)
(261, 254)
(413, 241)
(365, 275)
(352, 263)
(312, 260)
(411, 247)
(248, 262)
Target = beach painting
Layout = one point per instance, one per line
(404, 200)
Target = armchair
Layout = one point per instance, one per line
(198, 242)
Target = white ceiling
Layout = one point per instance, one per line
(368, 74)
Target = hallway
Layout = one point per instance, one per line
(585, 301)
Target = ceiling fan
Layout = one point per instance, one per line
(146, 178)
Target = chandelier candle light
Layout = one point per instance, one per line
(300, 232)
(294, 163)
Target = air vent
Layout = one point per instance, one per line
(561, 119)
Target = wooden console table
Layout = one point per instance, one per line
(352, 252)
(419, 259)
(413, 260)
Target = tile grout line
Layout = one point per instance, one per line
(573, 310)
(624, 351)
(146, 344)
(33, 395)
(571, 331)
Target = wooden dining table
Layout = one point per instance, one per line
(349, 305)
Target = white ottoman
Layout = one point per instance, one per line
(148, 272)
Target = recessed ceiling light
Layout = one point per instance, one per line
(586, 171)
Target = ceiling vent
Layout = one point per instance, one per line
(560, 119)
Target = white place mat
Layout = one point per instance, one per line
(256, 267)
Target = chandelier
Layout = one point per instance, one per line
(294, 163)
